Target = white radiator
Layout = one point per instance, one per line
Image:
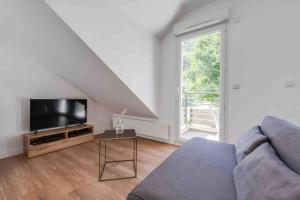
(144, 126)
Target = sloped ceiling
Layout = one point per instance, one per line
(192, 4)
(129, 51)
(103, 25)
(62, 52)
(156, 16)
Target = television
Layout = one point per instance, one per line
(51, 113)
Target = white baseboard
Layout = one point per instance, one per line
(12, 152)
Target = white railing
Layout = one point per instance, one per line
(200, 109)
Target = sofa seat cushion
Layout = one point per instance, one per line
(262, 176)
(248, 141)
(285, 138)
(200, 169)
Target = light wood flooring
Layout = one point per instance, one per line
(72, 173)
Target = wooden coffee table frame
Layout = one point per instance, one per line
(133, 160)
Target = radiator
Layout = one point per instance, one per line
(144, 126)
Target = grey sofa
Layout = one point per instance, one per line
(207, 170)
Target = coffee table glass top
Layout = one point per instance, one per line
(112, 135)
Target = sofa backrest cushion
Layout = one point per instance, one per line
(262, 175)
(248, 141)
(285, 139)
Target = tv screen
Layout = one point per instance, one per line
(50, 113)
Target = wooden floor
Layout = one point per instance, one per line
(72, 173)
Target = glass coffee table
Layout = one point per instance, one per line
(110, 135)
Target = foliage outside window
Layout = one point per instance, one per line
(201, 68)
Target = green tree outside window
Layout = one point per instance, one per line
(201, 67)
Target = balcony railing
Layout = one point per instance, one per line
(200, 110)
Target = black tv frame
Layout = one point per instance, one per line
(54, 127)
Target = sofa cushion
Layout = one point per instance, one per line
(285, 138)
(248, 141)
(262, 176)
(200, 169)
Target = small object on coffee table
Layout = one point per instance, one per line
(120, 126)
(110, 135)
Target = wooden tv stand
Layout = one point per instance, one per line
(52, 140)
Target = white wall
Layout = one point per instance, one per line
(24, 75)
(263, 53)
(18, 85)
(127, 49)
(34, 28)
(169, 79)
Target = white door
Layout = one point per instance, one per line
(202, 83)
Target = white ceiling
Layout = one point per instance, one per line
(191, 4)
(156, 16)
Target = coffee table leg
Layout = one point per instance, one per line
(136, 154)
(99, 160)
(135, 157)
(105, 151)
(101, 169)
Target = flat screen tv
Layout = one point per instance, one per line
(51, 113)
